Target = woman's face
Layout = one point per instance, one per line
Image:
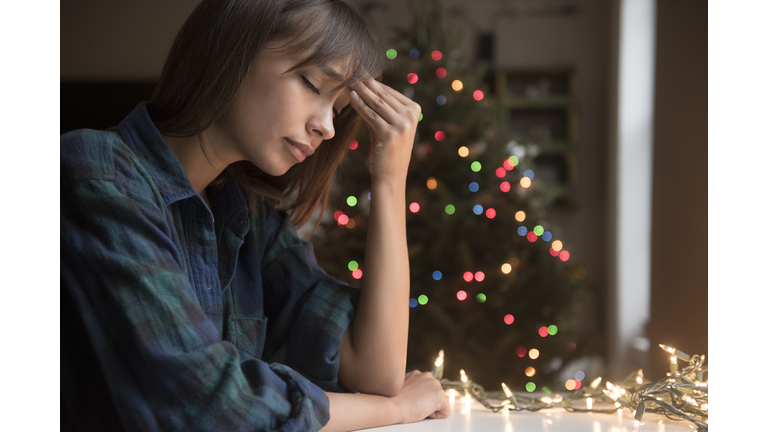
(277, 119)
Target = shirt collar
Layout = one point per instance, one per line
(139, 132)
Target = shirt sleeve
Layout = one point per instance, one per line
(160, 357)
(310, 310)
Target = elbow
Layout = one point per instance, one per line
(388, 386)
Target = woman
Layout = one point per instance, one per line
(188, 302)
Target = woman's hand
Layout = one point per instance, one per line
(422, 396)
(392, 119)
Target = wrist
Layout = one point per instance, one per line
(395, 409)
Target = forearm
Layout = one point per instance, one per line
(351, 411)
(379, 334)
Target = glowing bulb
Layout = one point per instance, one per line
(440, 358)
(533, 353)
(547, 400)
(520, 216)
(525, 182)
(589, 403)
(457, 85)
(557, 245)
(463, 151)
(529, 371)
(570, 385)
(596, 382)
(506, 268)
(463, 375)
(506, 390)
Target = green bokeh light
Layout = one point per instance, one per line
(515, 161)
(421, 116)
(352, 265)
(539, 230)
(552, 329)
(476, 166)
(546, 390)
(423, 299)
(481, 298)
(391, 54)
(351, 201)
(450, 209)
(530, 387)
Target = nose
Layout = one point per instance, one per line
(322, 124)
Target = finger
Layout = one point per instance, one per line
(369, 116)
(407, 103)
(379, 100)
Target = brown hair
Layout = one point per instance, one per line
(212, 54)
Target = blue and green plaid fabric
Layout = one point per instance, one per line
(176, 317)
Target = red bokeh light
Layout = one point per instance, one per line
(578, 384)
(531, 236)
(491, 213)
(441, 72)
(521, 352)
(564, 255)
(501, 172)
(357, 273)
(414, 207)
(337, 213)
(478, 95)
(543, 331)
(508, 165)
(571, 347)
(436, 55)
(353, 145)
(508, 319)
(343, 219)
(413, 78)
(439, 135)
(479, 276)
(553, 252)
(468, 276)
(461, 295)
(505, 187)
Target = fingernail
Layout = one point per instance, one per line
(354, 96)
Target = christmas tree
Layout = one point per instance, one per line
(492, 281)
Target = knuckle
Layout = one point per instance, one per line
(379, 101)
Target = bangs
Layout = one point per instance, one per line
(330, 32)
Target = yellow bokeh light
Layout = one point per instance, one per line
(431, 183)
(570, 385)
(506, 268)
(457, 85)
(533, 353)
(525, 182)
(351, 224)
(463, 151)
(529, 371)
(520, 216)
(557, 245)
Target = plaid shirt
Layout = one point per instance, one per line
(174, 317)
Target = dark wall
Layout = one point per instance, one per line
(679, 235)
(99, 105)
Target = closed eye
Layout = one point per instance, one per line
(314, 89)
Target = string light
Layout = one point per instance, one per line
(461, 295)
(414, 207)
(481, 298)
(431, 183)
(552, 330)
(437, 275)
(450, 209)
(490, 213)
(474, 187)
(439, 135)
(564, 255)
(522, 231)
(533, 353)
(468, 276)
(543, 332)
(436, 55)
(507, 165)
(463, 151)
(501, 172)
(441, 100)
(506, 268)
(357, 273)
(538, 229)
(478, 95)
(441, 72)
(529, 174)
(457, 85)
(479, 276)
(677, 353)
(343, 219)
(529, 371)
(423, 299)
(509, 319)
(437, 370)
(520, 216)
(505, 186)
(391, 54)
(525, 182)
(412, 78)
(547, 236)
(477, 209)
(532, 237)
(476, 166)
(351, 201)
(414, 53)
(557, 245)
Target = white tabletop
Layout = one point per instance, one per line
(475, 417)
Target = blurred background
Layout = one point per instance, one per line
(601, 105)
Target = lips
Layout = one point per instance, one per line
(300, 151)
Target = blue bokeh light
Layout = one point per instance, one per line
(522, 230)
(436, 275)
(474, 187)
(414, 53)
(529, 174)
(441, 100)
(412, 303)
(547, 236)
(580, 376)
(478, 209)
